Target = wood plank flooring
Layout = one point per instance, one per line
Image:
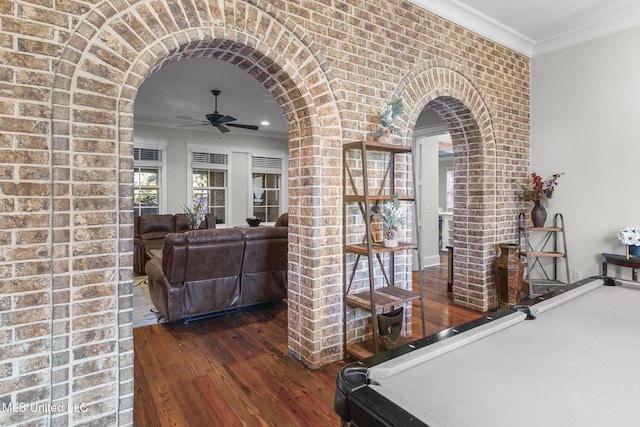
(234, 370)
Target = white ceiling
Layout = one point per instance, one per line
(534, 27)
(183, 89)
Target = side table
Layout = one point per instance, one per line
(633, 262)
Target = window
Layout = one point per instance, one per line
(210, 183)
(146, 181)
(267, 187)
(450, 176)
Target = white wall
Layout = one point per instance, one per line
(585, 122)
(240, 148)
(427, 180)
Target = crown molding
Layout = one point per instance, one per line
(479, 23)
(484, 25)
(589, 32)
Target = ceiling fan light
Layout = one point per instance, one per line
(264, 123)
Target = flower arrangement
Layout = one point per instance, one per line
(195, 215)
(387, 113)
(629, 236)
(538, 190)
(391, 216)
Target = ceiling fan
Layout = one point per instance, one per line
(220, 121)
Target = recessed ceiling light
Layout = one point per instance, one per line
(264, 123)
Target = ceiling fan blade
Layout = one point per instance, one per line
(216, 118)
(199, 124)
(226, 119)
(189, 118)
(250, 127)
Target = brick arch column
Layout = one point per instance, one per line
(94, 90)
(445, 89)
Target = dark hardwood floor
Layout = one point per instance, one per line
(234, 370)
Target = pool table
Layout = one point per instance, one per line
(567, 358)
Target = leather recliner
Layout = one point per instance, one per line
(206, 271)
(198, 273)
(265, 265)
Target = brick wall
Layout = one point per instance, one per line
(69, 74)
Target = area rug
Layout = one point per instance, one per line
(144, 313)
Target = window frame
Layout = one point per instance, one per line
(450, 174)
(283, 172)
(192, 165)
(161, 165)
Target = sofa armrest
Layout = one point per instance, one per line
(165, 296)
(138, 256)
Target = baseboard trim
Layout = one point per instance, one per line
(430, 261)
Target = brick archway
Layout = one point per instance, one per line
(94, 91)
(445, 89)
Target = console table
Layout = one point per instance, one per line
(633, 262)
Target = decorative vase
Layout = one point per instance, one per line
(386, 136)
(391, 243)
(508, 271)
(389, 327)
(634, 250)
(385, 139)
(538, 214)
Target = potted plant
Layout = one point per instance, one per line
(391, 216)
(195, 215)
(387, 113)
(538, 192)
(630, 238)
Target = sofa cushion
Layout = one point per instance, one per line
(213, 254)
(182, 222)
(154, 226)
(266, 249)
(201, 254)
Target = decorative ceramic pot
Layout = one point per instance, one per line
(508, 271)
(634, 250)
(391, 243)
(538, 214)
(389, 327)
(387, 136)
(385, 139)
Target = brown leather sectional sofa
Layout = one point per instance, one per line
(149, 232)
(206, 271)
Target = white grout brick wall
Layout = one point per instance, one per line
(69, 74)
